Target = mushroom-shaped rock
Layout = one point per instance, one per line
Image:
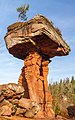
(37, 34)
(35, 41)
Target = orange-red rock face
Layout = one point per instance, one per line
(35, 41)
(34, 79)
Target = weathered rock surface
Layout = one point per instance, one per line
(22, 118)
(38, 33)
(35, 42)
(34, 80)
(11, 104)
(71, 111)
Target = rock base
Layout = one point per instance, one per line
(14, 107)
(22, 118)
(12, 102)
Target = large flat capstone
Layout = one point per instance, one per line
(37, 34)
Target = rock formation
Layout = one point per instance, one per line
(71, 111)
(13, 103)
(35, 42)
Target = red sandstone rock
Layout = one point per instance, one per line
(1, 98)
(35, 74)
(35, 107)
(14, 101)
(4, 102)
(38, 33)
(23, 118)
(16, 88)
(20, 111)
(8, 93)
(15, 104)
(6, 110)
(25, 103)
(29, 114)
(35, 42)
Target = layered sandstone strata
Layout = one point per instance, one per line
(34, 79)
(12, 102)
(35, 42)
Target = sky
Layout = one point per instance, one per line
(62, 14)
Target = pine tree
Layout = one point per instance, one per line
(63, 94)
(22, 12)
(72, 80)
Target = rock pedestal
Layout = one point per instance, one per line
(35, 42)
(34, 79)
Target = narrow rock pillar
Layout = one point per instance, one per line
(34, 79)
(47, 95)
(29, 77)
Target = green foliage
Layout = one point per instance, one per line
(22, 11)
(57, 110)
(63, 94)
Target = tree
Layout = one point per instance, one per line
(72, 80)
(63, 94)
(22, 11)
